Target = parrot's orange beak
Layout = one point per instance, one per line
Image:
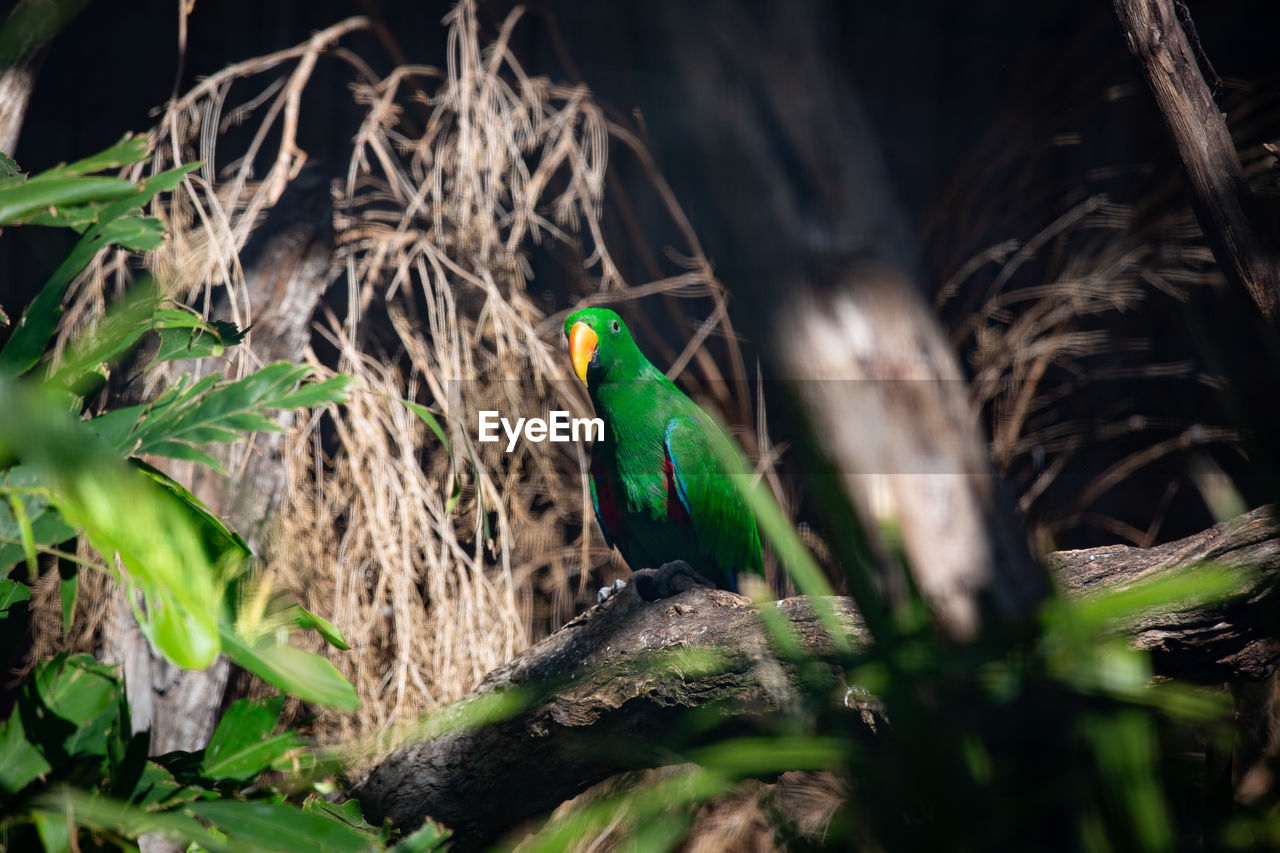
(582, 348)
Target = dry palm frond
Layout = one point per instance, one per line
(1038, 317)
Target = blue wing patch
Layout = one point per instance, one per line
(682, 488)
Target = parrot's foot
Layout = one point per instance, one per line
(667, 580)
(607, 592)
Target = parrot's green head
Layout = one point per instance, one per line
(601, 346)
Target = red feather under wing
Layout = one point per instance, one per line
(608, 512)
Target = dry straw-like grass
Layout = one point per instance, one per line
(1046, 318)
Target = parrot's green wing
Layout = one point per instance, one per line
(725, 528)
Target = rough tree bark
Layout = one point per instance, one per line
(1219, 192)
(884, 397)
(1229, 643)
(286, 271)
(608, 709)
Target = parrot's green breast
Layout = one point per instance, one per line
(659, 490)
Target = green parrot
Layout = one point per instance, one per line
(659, 491)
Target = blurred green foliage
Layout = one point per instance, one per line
(1050, 735)
(73, 775)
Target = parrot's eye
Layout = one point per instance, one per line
(614, 325)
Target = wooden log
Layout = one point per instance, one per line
(1236, 641)
(607, 704)
(616, 702)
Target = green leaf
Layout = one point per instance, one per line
(640, 806)
(185, 635)
(55, 831)
(12, 593)
(455, 496)
(1193, 586)
(221, 542)
(331, 390)
(115, 426)
(9, 168)
(183, 765)
(81, 692)
(304, 618)
(1124, 746)
(126, 754)
(124, 514)
(247, 721)
(212, 410)
(282, 827)
(36, 326)
(104, 813)
(76, 217)
(29, 25)
(38, 322)
(185, 452)
(778, 530)
(135, 233)
(301, 673)
(47, 525)
(130, 149)
(155, 786)
(243, 746)
(25, 534)
(20, 761)
(429, 418)
(75, 687)
(168, 180)
(347, 812)
(196, 341)
(252, 760)
(18, 201)
(151, 187)
(757, 756)
(427, 838)
(126, 321)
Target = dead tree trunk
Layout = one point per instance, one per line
(287, 270)
(607, 698)
(1219, 193)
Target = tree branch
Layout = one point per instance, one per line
(1219, 191)
(606, 707)
(610, 706)
(1237, 641)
